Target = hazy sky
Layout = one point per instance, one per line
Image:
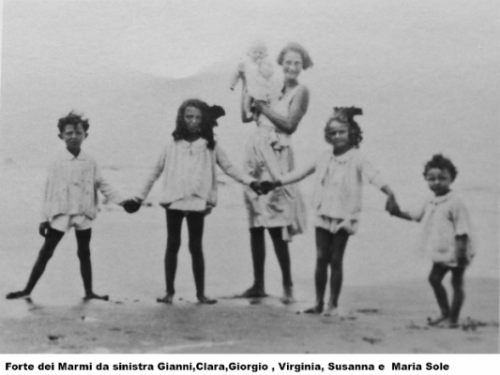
(425, 72)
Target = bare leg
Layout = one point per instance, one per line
(323, 255)
(258, 247)
(52, 238)
(283, 255)
(339, 243)
(457, 281)
(174, 227)
(195, 223)
(83, 242)
(435, 279)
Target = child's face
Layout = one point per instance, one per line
(258, 53)
(73, 136)
(439, 180)
(337, 134)
(192, 119)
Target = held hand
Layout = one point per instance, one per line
(392, 206)
(462, 261)
(259, 105)
(255, 186)
(267, 186)
(43, 228)
(131, 205)
(208, 210)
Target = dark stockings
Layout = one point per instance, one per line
(436, 276)
(258, 247)
(330, 252)
(195, 222)
(52, 239)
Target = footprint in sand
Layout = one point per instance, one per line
(368, 311)
(372, 340)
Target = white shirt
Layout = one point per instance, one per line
(72, 184)
(443, 218)
(189, 175)
(339, 182)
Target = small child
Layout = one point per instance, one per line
(189, 188)
(447, 237)
(70, 200)
(337, 200)
(260, 81)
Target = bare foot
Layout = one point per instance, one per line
(287, 298)
(168, 299)
(437, 321)
(15, 295)
(254, 292)
(206, 301)
(92, 295)
(331, 311)
(318, 309)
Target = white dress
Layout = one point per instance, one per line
(268, 156)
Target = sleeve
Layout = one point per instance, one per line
(223, 162)
(105, 187)
(461, 218)
(370, 173)
(298, 174)
(45, 196)
(153, 175)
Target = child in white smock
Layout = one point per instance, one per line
(189, 187)
(447, 237)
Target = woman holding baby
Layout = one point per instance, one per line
(268, 156)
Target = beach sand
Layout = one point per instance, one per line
(385, 300)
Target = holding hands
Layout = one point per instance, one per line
(392, 206)
(264, 187)
(131, 205)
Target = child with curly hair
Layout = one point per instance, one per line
(447, 237)
(70, 200)
(337, 200)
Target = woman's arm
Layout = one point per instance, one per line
(298, 108)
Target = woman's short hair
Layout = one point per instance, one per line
(296, 47)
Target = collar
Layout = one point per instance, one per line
(345, 157)
(66, 155)
(441, 199)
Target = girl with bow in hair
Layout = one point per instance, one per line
(337, 200)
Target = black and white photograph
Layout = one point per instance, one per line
(249, 177)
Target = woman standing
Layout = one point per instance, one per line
(268, 156)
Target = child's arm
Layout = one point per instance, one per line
(298, 108)
(237, 75)
(223, 162)
(152, 177)
(246, 103)
(106, 189)
(461, 249)
(297, 174)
